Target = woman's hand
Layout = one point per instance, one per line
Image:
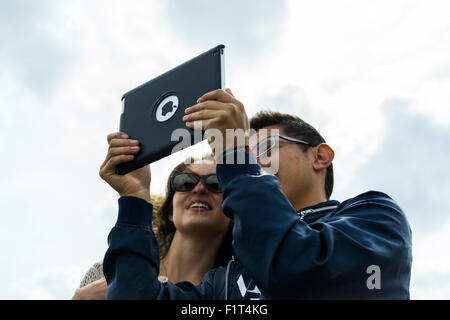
(94, 291)
(123, 149)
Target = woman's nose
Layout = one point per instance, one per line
(200, 188)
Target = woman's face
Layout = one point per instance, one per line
(199, 210)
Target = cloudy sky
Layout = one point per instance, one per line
(372, 76)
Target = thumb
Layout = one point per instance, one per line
(228, 90)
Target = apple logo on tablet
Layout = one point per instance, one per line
(167, 108)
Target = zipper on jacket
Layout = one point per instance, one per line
(226, 276)
(304, 213)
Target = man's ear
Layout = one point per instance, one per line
(323, 157)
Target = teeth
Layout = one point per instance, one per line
(200, 205)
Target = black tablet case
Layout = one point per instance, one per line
(189, 81)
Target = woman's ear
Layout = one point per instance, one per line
(323, 157)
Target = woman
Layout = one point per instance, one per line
(193, 233)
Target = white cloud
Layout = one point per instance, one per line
(53, 283)
(433, 100)
(249, 27)
(430, 278)
(40, 49)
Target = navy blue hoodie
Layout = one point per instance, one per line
(357, 249)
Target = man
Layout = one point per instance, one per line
(303, 245)
(289, 238)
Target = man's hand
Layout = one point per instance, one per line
(136, 183)
(93, 291)
(220, 110)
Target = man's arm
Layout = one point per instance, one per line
(328, 259)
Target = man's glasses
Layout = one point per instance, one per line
(186, 181)
(271, 142)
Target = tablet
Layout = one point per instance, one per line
(154, 110)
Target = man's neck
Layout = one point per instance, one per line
(308, 199)
(189, 258)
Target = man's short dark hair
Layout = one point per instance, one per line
(297, 128)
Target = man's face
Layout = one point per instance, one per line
(294, 167)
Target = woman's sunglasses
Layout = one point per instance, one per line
(186, 181)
